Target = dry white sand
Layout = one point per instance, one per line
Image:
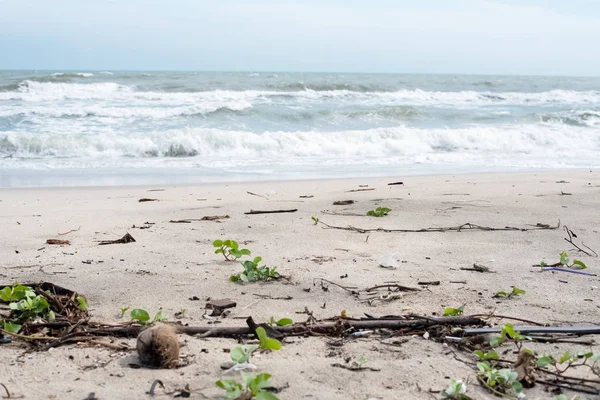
(170, 263)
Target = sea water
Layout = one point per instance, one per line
(108, 127)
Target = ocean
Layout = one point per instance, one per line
(107, 127)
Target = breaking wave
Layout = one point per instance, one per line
(515, 145)
(34, 91)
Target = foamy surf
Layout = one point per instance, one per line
(281, 122)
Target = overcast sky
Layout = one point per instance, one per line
(552, 37)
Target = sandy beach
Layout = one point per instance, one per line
(172, 263)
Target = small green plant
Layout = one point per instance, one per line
(491, 355)
(508, 333)
(267, 342)
(143, 317)
(242, 354)
(379, 212)
(280, 322)
(456, 391)
(450, 312)
(123, 310)
(230, 249)
(315, 220)
(83, 305)
(16, 292)
(253, 272)
(253, 388)
(503, 381)
(181, 313)
(358, 363)
(567, 360)
(565, 261)
(513, 293)
(30, 306)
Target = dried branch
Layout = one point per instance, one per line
(464, 227)
(572, 235)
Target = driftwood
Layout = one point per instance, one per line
(213, 217)
(360, 190)
(125, 239)
(343, 202)
(57, 241)
(252, 212)
(145, 199)
(464, 227)
(395, 183)
(333, 327)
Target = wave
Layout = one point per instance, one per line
(515, 144)
(34, 91)
(73, 75)
(589, 118)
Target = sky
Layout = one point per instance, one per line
(527, 37)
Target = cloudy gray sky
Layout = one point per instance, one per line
(552, 37)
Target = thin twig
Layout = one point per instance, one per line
(464, 227)
(570, 240)
(71, 231)
(351, 289)
(254, 194)
(506, 317)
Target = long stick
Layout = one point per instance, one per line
(301, 329)
(252, 212)
(464, 227)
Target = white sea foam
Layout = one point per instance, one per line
(33, 91)
(519, 145)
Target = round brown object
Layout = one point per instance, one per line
(158, 346)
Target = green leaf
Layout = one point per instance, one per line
(51, 315)
(565, 357)
(218, 251)
(234, 245)
(265, 341)
(543, 264)
(484, 366)
(516, 291)
(245, 252)
(235, 253)
(501, 294)
(580, 263)
(83, 305)
(238, 355)
(562, 397)
(11, 327)
(263, 395)
(259, 382)
(159, 317)
(218, 243)
(256, 260)
(234, 278)
(508, 375)
(545, 360)
(509, 329)
(233, 389)
(284, 322)
(497, 341)
(564, 258)
(227, 243)
(585, 354)
(517, 386)
(453, 311)
(140, 315)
